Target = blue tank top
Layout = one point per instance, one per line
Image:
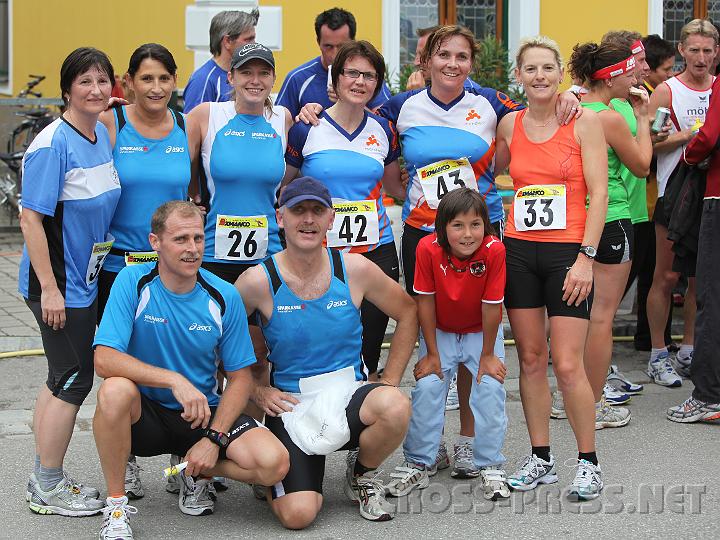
(243, 162)
(298, 332)
(152, 172)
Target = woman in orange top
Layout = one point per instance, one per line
(550, 241)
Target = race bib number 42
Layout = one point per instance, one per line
(540, 208)
(356, 224)
(100, 250)
(441, 177)
(241, 238)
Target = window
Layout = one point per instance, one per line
(4, 42)
(677, 13)
(483, 17)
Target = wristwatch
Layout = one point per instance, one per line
(221, 439)
(589, 251)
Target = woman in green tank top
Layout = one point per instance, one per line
(608, 71)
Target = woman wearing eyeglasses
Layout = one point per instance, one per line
(354, 153)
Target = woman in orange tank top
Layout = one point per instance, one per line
(550, 242)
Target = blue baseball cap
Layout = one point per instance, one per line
(305, 188)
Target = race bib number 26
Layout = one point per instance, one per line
(441, 177)
(241, 238)
(540, 208)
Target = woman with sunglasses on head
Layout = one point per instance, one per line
(550, 242)
(354, 153)
(70, 191)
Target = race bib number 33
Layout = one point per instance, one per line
(540, 208)
(356, 224)
(241, 238)
(441, 177)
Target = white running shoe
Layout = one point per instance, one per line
(407, 477)
(620, 382)
(194, 499)
(682, 365)
(442, 460)
(662, 372)
(464, 463)
(607, 416)
(64, 499)
(694, 410)
(133, 486)
(173, 482)
(557, 409)
(87, 491)
(494, 483)
(452, 402)
(614, 396)
(368, 491)
(532, 472)
(116, 525)
(587, 484)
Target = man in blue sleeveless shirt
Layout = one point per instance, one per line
(166, 326)
(308, 298)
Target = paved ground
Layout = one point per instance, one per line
(661, 478)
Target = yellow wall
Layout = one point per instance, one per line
(570, 23)
(299, 42)
(45, 31)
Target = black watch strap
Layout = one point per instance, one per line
(221, 439)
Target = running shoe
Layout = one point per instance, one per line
(133, 486)
(494, 483)
(442, 460)
(661, 371)
(407, 477)
(220, 483)
(607, 416)
(557, 409)
(587, 484)
(618, 380)
(615, 397)
(682, 365)
(194, 499)
(173, 482)
(87, 491)
(532, 472)
(259, 492)
(369, 492)
(116, 523)
(452, 402)
(464, 463)
(64, 499)
(694, 410)
(351, 457)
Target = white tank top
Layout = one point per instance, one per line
(687, 108)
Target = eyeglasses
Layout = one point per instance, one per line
(477, 268)
(355, 74)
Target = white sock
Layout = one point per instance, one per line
(685, 351)
(655, 352)
(114, 501)
(462, 439)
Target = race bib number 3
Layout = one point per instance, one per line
(241, 238)
(356, 224)
(100, 250)
(540, 208)
(441, 177)
(140, 257)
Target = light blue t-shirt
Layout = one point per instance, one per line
(152, 172)
(186, 333)
(71, 180)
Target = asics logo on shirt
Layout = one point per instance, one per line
(152, 319)
(174, 149)
(200, 327)
(233, 133)
(336, 303)
(372, 140)
(132, 149)
(616, 248)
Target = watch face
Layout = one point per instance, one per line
(224, 440)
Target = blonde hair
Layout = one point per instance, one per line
(542, 42)
(700, 27)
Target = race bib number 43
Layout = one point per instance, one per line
(540, 208)
(441, 177)
(356, 224)
(241, 238)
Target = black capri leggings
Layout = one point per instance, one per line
(375, 321)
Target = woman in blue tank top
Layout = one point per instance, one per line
(151, 156)
(242, 146)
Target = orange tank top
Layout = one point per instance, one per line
(550, 190)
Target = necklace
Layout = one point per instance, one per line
(543, 125)
(477, 268)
